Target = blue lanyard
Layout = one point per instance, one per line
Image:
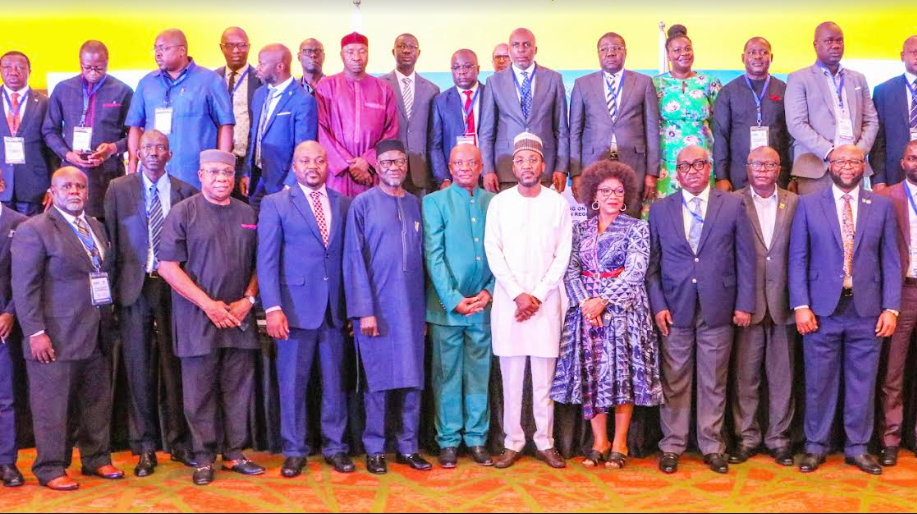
(239, 82)
(88, 97)
(14, 112)
(911, 89)
(620, 84)
(910, 197)
(531, 80)
(758, 99)
(474, 98)
(839, 88)
(695, 215)
(88, 243)
(169, 83)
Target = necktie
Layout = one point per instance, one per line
(697, 225)
(612, 100)
(320, 215)
(85, 235)
(155, 223)
(232, 82)
(12, 116)
(469, 108)
(526, 95)
(913, 118)
(408, 96)
(849, 231)
(262, 123)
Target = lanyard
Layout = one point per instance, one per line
(531, 80)
(839, 88)
(239, 82)
(14, 112)
(911, 89)
(620, 84)
(89, 100)
(89, 244)
(758, 99)
(466, 113)
(695, 215)
(169, 83)
(910, 197)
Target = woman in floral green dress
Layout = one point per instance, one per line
(686, 101)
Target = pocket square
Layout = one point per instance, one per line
(112, 104)
(283, 113)
(249, 227)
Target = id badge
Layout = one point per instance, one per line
(466, 140)
(760, 136)
(914, 134)
(99, 288)
(82, 139)
(164, 120)
(15, 150)
(845, 130)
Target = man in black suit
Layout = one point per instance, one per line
(9, 337)
(61, 261)
(26, 163)
(896, 104)
(135, 207)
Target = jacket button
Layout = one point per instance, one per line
(693, 280)
(473, 220)
(768, 259)
(478, 258)
(696, 259)
(326, 279)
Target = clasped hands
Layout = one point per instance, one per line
(228, 315)
(807, 323)
(664, 320)
(526, 307)
(359, 170)
(473, 304)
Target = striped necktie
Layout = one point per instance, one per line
(408, 97)
(85, 235)
(612, 99)
(155, 223)
(12, 115)
(697, 226)
(913, 118)
(526, 95)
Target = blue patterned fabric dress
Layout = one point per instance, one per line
(617, 363)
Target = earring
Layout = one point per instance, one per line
(624, 207)
(595, 205)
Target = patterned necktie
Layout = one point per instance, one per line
(85, 235)
(849, 230)
(320, 215)
(232, 82)
(469, 108)
(612, 99)
(262, 123)
(913, 118)
(526, 95)
(155, 223)
(408, 96)
(697, 225)
(12, 116)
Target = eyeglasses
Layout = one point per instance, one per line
(612, 49)
(235, 46)
(606, 192)
(393, 163)
(17, 67)
(162, 48)
(847, 163)
(406, 46)
(531, 161)
(471, 163)
(698, 165)
(467, 68)
(766, 166)
(311, 51)
(96, 69)
(220, 173)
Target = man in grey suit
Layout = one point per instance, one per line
(415, 102)
(614, 114)
(524, 98)
(827, 106)
(768, 343)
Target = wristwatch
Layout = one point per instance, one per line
(251, 299)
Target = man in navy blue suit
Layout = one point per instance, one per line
(845, 286)
(896, 103)
(300, 253)
(456, 113)
(284, 116)
(701, 282)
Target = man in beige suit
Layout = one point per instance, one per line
(766, 346)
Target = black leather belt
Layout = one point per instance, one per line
(848, 293)
(910, 282)
(154, 275)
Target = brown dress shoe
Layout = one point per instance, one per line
(63, 483)
(507, 459)
(551, 458)
(107, 472)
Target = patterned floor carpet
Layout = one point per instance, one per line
(530, 486)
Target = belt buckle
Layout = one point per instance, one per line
(848, 292)
(613, 153)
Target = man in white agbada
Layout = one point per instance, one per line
(527, 240)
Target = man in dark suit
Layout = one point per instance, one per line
(311, 59)
(135, 207)
(285, 116)
(896, 103)
(614, 114)
(9, 353)
(525, 97)
(85, 123)
(749, 113)
(300, 254)
(456, 114)
(845, 286)
(895, 353)
(27, 161)
(767, 346)
(61, 261)
(415, 96)
(242, 81)
(700, 282)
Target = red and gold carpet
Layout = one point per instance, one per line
(530, 486)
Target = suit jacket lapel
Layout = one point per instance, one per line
(827, 203)
(899, 96)
(67, 232)
(455, 105)
(863, 212)
(31, 112)
(139, 193)
(396, 85)
(509, 88)
(626, 95)
(302, 205)
(902, 205)
(678, 219)
(753, 215)
(337, 219)
(281, 103)
(713, 208)
(826, 91)
(779, 226)
(541, 92)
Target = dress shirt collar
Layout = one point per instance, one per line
(72, 219)
(704, 196)
(412, 76)
(160, 182)
(825, 70)
(229, 72)
(839, 195)
(910, 77)
(22, 92)
(282, 86)
(473, 90)
(306, 190)
(756, 196)
(910, 189)
(518, 71)
(613, 77)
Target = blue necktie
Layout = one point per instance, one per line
(612, 100)
(697, 226)
(913, 117)
(155, 221)
(526, 94)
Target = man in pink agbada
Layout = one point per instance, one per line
(355, 111)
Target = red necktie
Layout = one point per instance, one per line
(469, 108)
(12, 116)
(320, 215)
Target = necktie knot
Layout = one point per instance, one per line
(406, 81)
(15, 98)
(847, 198)
(696, 201)
(315, 195)
(467, 94)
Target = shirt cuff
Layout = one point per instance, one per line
(39, 333)
(272, 309)
(800, 307)
(893, 311)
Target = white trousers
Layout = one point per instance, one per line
(513, 372)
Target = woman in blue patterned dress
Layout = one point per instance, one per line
(609, 350)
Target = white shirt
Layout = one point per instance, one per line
(275, 93)
(912, 228)
(72, 221)
(412, 85)
(474, 107)
(686, 211)
(164, 190)
(521, 80)
(767, 214)
(616, 79)
(240, 111)
(839, 113)
(22, 103)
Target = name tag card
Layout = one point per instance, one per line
(82, 139)
(163, 121)
(914, 134)
(99, 288)
(15, 150)
(466, 140)
(760, 136)
(844, 131)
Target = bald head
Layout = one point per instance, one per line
(465, 68)
(763, 167)
(909, 55)
(69, 190)
(171, 51)
(764, 152)
(522, 48)
(500, 57)
(829, 44)
(466, 165)
(310, 164)
(311, 57)
(235, 47)
(233, 33)
(694, 168)
(173, 37)
(274, 63)
(847, 164)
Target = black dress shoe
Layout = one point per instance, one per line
(146, 465)
(481, 456)
(375, 464)
(341, 463)
(741, 454)
(243, 466)
(11, 476)
(668, 463)
(184, 456)
(414, 460)
(203, 475)
(888, 457)
(866, 463)
(716, 462)
(783, 456)
(448, 457)
(292, 466)
(810, 462)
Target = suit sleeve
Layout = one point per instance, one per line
(745, 260)
(890, 262)
(487, 132)
(870, 120)
(434, 228)
(51, 126)
(435, 145)
(558, 268)
(220, 104)
(28, 270)
(561, 128)
(357, 282)
(878, 153)
(110, 208)
(722, 130)
(651, 120)
(797, 118)
(270, 239)
(577, 124)
(654, 268)
(798, 273)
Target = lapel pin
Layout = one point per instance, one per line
(867, 201)
(781, 205)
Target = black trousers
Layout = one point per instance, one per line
(57, 390)
(151, 366)
(218, 390)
